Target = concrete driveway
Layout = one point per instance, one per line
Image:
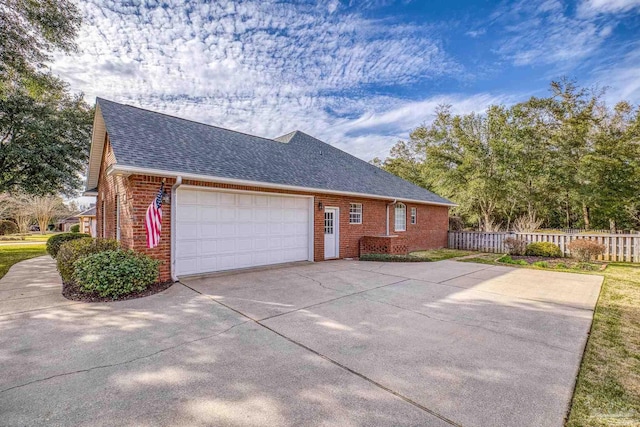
(342, 343)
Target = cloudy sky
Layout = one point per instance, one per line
(357, 74)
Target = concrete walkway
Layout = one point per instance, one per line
(340, 343)
(31, 285)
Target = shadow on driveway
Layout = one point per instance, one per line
(335, 343)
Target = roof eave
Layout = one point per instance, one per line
(98, 137)
(117, 169)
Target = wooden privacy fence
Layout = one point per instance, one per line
(618, 247)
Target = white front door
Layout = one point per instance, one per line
(331, 233)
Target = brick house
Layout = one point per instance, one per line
(235, 200)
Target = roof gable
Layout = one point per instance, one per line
(148, 140)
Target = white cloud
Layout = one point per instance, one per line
(263, 67)
(544, 33)
(622, 78)
(589, 8)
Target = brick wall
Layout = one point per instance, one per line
(135, 193)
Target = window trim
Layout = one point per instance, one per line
(414, 215)
(351, 212)
(403, 226)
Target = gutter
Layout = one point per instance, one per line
(173, 227)
(130, 170)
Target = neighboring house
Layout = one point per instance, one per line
(236, 200)
(88, 221)
(66, 224)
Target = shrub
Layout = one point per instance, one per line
(541, 264)
(75, 228)
(508, 260)
(54, 242)
(115, 273)
(515, 246)
(73, 250)
(8, 227)
(561, 265)
(584, 250)
(545, 249)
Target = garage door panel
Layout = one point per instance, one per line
(208, 213)
(188, 213)
(188, 197)
(275, 229)
(260, 244)
(226, 229)
(207, 197)
(245, 199)
(207, 230)
(245, 230)
(189, 230)
(208, 247)
(228, 199)
(245, 214)
(220, 231)
(187, 248)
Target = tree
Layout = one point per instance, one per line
(44, 140)
(44, 131)
(566, 160)
(33, 28)
(44, 209)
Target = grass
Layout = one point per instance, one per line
(608, 387)
(11, 254)
(37, 237)
(441, 254)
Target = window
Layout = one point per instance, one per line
(355, 213)
(414, 215)
(401, 217)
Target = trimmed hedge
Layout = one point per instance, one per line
(545, 249)
(73, 250)
(54, 242)
(75, 228)
(115, 273)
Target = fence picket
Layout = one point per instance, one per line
(618, 247)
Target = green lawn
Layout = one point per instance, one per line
(608, 387)
(441, 254)
(37, 237)
(11, 254)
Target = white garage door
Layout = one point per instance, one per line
(218, 230)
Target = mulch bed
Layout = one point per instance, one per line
(71, 291)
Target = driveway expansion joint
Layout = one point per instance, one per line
(327, 358)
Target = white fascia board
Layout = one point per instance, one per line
(116, 169)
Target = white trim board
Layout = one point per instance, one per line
(116, 169)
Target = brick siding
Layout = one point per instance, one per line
(135, 193)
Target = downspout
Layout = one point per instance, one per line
(390, 204)
(173, 226)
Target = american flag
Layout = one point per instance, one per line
(153, 220)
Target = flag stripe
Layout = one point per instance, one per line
(153, 220)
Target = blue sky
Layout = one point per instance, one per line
(357, 74)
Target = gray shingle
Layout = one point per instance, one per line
(146, 139)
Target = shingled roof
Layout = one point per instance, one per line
(147, 140)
